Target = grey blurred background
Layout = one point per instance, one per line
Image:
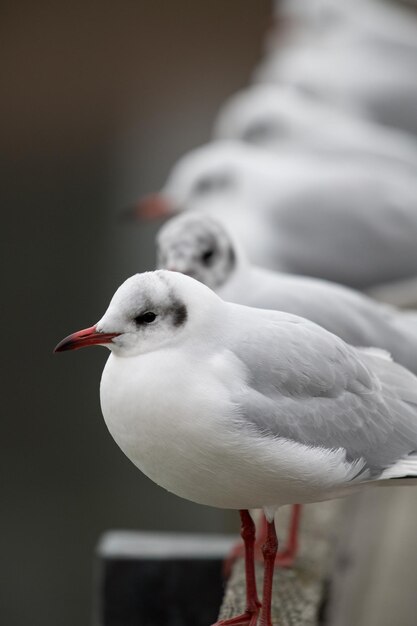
(99, 99)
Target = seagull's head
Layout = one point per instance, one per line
(266, 115)
(318, 14)
(217, 174)
(149, 311)
(199, 246)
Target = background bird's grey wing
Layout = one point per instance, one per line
(360, 255)
(308, 386)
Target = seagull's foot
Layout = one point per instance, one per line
(248, 618)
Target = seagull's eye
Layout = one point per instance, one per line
(258, 132)
(207, 256)
(145, 318)
(212, 183)
(204, 185)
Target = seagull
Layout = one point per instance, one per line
(280, 118)
(365, 80)
(371, 21)
(241, 408)
(353, 221)
(200, 247)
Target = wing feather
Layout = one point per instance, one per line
(307, 385)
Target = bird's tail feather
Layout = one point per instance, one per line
(404, 470)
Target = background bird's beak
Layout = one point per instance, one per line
(150, 207)
(83, 338)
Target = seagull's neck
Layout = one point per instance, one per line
(239, 277)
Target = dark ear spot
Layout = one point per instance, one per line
(232, 258)
(179, 313)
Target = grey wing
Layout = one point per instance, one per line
(353, 316)
(360, 255)
(308, 386)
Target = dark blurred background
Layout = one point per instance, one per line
(98, 101)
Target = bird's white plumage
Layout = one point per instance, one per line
(358, 54)
(338, 72)
(385, 24)
(350, 221)
(279, 118)
(354, 317)
(244, 408)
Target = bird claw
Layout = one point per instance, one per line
(248, 618)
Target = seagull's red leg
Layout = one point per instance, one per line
(287, 556)
(248, 532)
(250, 616)
(284, 558)
(269, 551)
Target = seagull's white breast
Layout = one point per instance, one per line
(167, 411)
(172, 414)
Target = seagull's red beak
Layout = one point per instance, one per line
(150, 207)
(83, 338)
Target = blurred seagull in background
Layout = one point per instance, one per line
(371, 21)
(235, 407)
(368, 81)
(200, 247)
(352, 221)
(279, 118)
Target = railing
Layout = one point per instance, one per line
(356, 567)
(154, 579)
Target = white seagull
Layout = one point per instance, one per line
(353, 221)
(235, 407)
(200, 247)
(366, 80)
(372, 21)
(277, 117)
